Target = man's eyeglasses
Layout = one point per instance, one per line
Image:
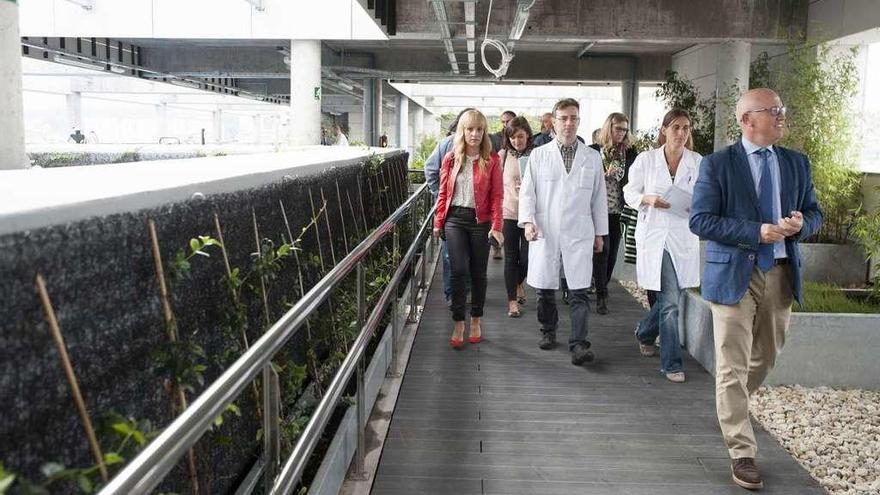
(567, 118)
(774, 111)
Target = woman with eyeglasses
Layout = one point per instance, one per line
(613, 143)
(515, 157)
(469, 217)
(661, 182)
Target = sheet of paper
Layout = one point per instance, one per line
(679, 201)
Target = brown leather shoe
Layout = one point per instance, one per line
(746, 474)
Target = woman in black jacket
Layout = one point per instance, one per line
(617, 155)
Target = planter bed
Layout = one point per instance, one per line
(832, 349)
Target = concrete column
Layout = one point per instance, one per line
(377, 110)
(403, 123)
(418, 125)
(74, 111)
(218, 126)
(161, 120)
(258, 128)
(12, 154)
(305, 92)
(732, 72)
(357, 126)
(630, 94)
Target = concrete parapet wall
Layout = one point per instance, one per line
(835, 350)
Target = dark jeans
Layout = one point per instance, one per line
(603, 263)
(516, 257)
(548, 316)
(447, 283)
(468, 246)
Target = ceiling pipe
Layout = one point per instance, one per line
(583, 51)
(445, 34)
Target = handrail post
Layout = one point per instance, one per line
(395, 309)
(359, 469)
(271, 425)
(412, 317)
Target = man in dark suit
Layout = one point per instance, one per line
(546, 135)
(498, 137)
(753, 202)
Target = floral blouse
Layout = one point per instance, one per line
(613, 161)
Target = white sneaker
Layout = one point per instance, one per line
(675, 377)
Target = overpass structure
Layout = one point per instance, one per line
(359, 58)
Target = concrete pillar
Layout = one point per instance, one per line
(74, 111)
(12, 154)
(258, 128)
(218, 126)
(305, 92)
(403, 123)
(161, 120)
(357, 126)
(732, 73)
(418, 125)
(630, 94)
(377, 110)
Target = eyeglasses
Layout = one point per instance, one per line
(620, 129)
(774, 111)
(567, 118)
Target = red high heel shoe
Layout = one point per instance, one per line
(456, 343)
(475, 340)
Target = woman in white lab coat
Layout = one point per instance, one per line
(667, 253)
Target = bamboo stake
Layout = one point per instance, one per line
(262, 277)
(235, 296)
(357, 227)
(71, 376)
(302, 291)
(170, 324)
(317, 231)
(171, 328)
(329, 231)
(341, 217)
(363, 212)
(235, 301)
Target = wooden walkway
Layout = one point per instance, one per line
(504, 417)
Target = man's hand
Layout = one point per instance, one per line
(793, 224)
(598, 244)
(499, 237)
(531, 232)
(654, 200)
(771, 233)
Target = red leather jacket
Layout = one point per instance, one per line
(488, 190)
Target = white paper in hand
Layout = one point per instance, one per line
(679, 201)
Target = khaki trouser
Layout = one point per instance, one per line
(748, 337)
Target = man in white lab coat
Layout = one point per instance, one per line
(564, 211)
(341, 140)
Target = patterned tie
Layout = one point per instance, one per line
(765, 251)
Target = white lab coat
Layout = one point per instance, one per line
(658, 229)
(341, 140)
(568, 210)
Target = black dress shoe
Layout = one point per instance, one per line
(581, 354)
(602, 305)
(548, 341)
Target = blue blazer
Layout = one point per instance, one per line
(726, 213)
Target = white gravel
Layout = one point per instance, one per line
(833, 434)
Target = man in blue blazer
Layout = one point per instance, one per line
(753, 202)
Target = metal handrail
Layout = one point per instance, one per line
(299, 457)
(150, 467)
